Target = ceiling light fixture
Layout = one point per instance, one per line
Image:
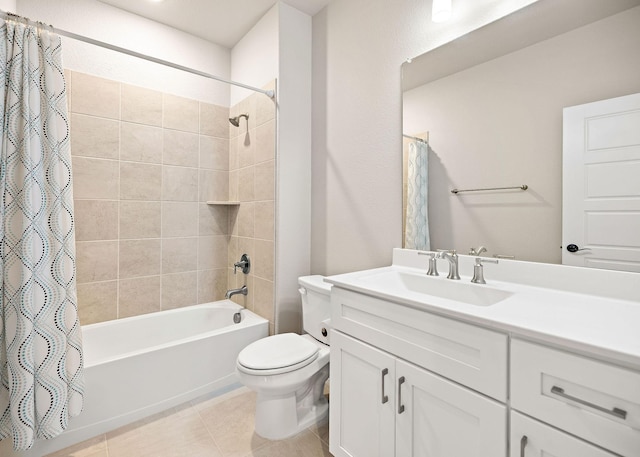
(441, 10)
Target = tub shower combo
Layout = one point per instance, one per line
(142, 365)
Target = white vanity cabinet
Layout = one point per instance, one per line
(409, 383)
(530, 365)
(596, 401)
(530, 438)
(383, 406)
(385, 403)
(362, 387)
(438, 418)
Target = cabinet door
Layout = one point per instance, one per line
(437, 418)
(530, 438)
(362, 399)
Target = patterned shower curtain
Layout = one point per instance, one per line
(40, 341)
(417, 223)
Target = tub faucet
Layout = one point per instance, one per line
(244, 264)
(241, 291)
(452, 258)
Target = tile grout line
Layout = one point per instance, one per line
(118, 212)
(204, 423)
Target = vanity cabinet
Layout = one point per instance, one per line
(362, 387)
(442, 419)
(590, 399)
(530, 438)
(384, 406)
(466, 354)
(408, 383)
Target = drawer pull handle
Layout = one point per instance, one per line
(385, 398)
(523, 444)
(400, 405)
(616, 412)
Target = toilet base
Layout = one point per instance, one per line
(278, 425)
(283, 416)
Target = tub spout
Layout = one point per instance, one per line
(231, 292)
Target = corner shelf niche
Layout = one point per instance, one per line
(222, 203)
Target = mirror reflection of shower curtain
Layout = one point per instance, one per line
(417, 222)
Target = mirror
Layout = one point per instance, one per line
(491, 103)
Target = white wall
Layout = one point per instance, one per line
(8, 6)
(254, 59)
(293, 212)
(358, 47)
(112, 25)
(500, 124)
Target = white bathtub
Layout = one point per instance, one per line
(141, 365)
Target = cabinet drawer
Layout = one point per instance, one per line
(530, 438)
(588, 398)
(469, 355)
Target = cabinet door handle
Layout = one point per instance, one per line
(523, 444)
(385, 398)
(400, 405)
(616, 412)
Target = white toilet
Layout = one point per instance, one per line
(288, 371)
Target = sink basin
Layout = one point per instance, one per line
(401, 283)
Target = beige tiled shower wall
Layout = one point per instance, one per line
(252, 168)
(144, 164)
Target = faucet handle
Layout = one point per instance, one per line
(433, 267)
(478, 271)
(481, 260)
(244, 264)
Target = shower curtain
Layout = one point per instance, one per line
(40, 341)
(417, 222)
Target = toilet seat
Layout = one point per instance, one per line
(277, 354)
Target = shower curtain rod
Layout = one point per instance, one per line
(416, 138)
(102, 44)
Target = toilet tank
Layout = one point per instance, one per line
(316, 306)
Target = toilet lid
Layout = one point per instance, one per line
(277, 351)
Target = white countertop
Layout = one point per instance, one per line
(602, 326)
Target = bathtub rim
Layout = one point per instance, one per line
(251, 319)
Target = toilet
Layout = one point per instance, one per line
(288, 371)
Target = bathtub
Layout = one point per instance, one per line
(141, 365)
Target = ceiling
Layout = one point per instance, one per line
(223, 22)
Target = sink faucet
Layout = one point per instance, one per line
(452, 258)
(231, 292)
(480, 250)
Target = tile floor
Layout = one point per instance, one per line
(213, 427)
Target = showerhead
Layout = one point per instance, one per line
(235, 121)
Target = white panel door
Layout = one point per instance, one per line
(362, 399)
(601, 184)
(437, 418)
(530, 438)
